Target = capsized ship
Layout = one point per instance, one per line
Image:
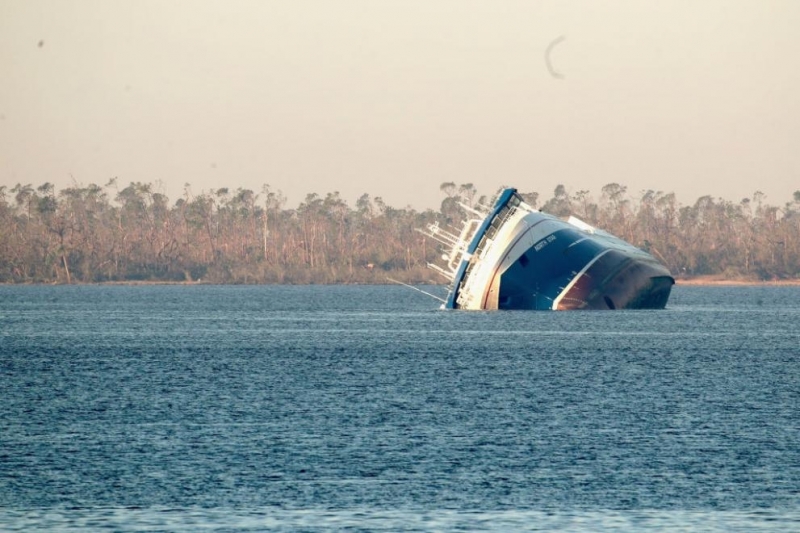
(512, 256)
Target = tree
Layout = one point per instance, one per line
(233, 235)
(560, 204)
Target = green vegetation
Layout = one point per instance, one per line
(104, 234)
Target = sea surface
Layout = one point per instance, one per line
(366, 408)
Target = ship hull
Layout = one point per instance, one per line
(520, 258)
(614, 281)
(565, 268)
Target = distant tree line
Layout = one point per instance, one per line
(103, 234)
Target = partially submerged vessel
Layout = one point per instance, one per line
(512, 256)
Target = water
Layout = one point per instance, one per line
(187, 408)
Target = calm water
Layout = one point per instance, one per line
(185, 408)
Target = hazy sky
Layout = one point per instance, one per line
(394, 98)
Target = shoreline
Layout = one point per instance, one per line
(694, 282)
(703, 282)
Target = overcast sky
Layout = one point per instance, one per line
(394, 98)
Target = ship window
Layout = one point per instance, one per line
(523, 260)
(609, 302)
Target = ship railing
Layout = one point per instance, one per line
(457, 245)
(440, 235)
(447, 274)
(461, 243)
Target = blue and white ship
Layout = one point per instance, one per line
(512, 256)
